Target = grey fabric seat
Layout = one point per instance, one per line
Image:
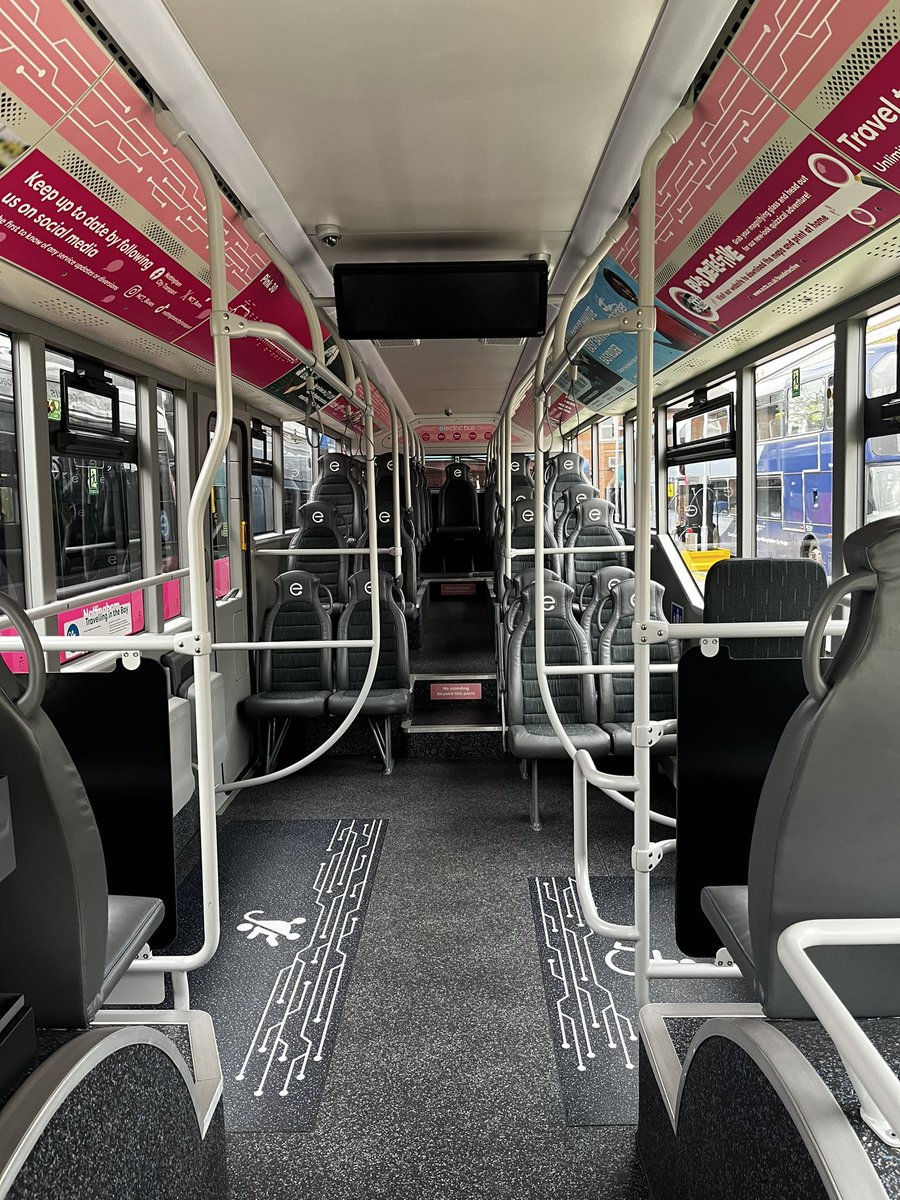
(522, 471)
(522, 538)
(763, 589)
(562, 469)
(409, 578)
(565, 504)
(337, 485)
(530, 735)
(458, 502)
(596, 612)
(826, 840)
(293, 683)
(65, 942)
(616, 692)
(320, 530)
(390, 694)
(592, 529)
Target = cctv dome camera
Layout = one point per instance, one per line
(328, 235)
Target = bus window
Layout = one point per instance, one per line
(794, 398)
(653, 517)
(609, 471)
(297, 477)
(11, 561)
(262, 482)
(96, 498)
(168, 502)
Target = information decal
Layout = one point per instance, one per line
(52, 226)
(109, 618)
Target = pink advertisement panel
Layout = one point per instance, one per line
(48, 59)
(52, 226)
(108, 618)
(171, 596)
(17, 660)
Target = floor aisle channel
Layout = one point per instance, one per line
(443, 1083)
(293, 899)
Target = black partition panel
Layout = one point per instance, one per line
(731, 714)
(116, 727)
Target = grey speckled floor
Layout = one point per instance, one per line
(443, 1081)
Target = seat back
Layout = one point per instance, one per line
(319, 531)
(356, 622)
(593, 528)
(522, 536)
(616, 692)
(409, 575)
(825, 841)
(384, 477)
(763, 589)
(595, 615)
(522, 468)
(566, 502)
(457, 499)
(298, 614)
(55, 902)
(562, 469)
(574, 696)
(337, 484)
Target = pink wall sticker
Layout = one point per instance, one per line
(121, 615)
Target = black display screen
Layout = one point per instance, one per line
(441, 300)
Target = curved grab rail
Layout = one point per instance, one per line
(859, 581)
(31, 698)
(876, 1084)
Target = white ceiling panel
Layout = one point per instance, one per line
(427, 131)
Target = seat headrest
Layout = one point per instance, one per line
(595, 513)
(523, 514)
(604, 579)
(359, 587)
(457, 473)
(874, 547)
(335, 464)
(573, 494)
(316, 514)
(526, 579)
(522, 493)
(558, 598)
(521, 465)
(569, 467)
(291, 586)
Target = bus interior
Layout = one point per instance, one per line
(449, 524)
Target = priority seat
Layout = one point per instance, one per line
(826, 839)
(390, 693)
(616, 692)
(292, 683)
(320, 530)
(592, 530)
(65, 941)
(530, 735)
(458, 502)
(763, 589)
(337, 484)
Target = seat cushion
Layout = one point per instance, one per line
(620, 739)
(131, 921)
(726, 908)
(380, 702)
(540, 741)
(286, 704)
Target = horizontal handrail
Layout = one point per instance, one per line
(528, 551)
(876, 1084)
(90, 643)
(92, 597)
(748, 629)
(613, 669)
(287, 552)
(322, 644)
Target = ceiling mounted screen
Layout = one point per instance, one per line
(441, 300)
